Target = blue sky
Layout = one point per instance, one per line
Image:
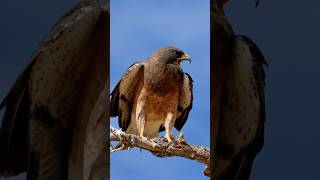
(137, 29)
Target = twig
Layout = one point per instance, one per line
(161, 148)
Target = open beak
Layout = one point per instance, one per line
(184, 57)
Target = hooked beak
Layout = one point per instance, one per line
(184, 57)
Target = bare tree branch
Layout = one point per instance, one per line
(161, 148)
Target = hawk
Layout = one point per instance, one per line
(154, 96)
(238, 100)
(49, 129)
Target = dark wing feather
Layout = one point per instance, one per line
(91, 124)
(236, 152)
(13, 144)
(185, 101)
(14, 129)
(222, 37)
(123, 94)
(114, 105)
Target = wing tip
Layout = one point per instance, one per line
(253, 46)
(3, 103)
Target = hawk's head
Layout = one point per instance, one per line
(169, 55)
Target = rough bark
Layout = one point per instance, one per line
(160, 147)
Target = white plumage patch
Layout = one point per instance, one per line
(241, 115)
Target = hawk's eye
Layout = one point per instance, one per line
(177, 53)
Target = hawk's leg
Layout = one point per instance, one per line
(142, 130)
(168, 125)
(141, 123)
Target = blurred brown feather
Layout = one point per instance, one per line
(49, 125)
(238, 101)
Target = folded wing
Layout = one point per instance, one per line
(123, 94)
(242, 112)
(185, 101)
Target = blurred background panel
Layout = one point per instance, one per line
(23, 24)
(287, 32)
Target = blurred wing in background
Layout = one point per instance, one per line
(242, 113)
(48, 112)
(238, 104)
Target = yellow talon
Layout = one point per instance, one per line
(168, 137)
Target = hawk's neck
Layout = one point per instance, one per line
(162, 79)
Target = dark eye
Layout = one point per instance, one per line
(177, 53)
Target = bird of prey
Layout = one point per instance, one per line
(154, 96)
(49, 129)
(238, 100)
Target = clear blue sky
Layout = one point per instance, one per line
(137, 29)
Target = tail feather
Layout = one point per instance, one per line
(48, 148)
(245, 167)
(239, 167)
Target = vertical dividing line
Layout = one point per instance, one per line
(108, 84)
(212, 121)
(211, 92)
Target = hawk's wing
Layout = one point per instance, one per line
(14, 128)
(90, 141)
(123, 94)
(242, 112)
(221, 45)
(185, 101)
(49, 89)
